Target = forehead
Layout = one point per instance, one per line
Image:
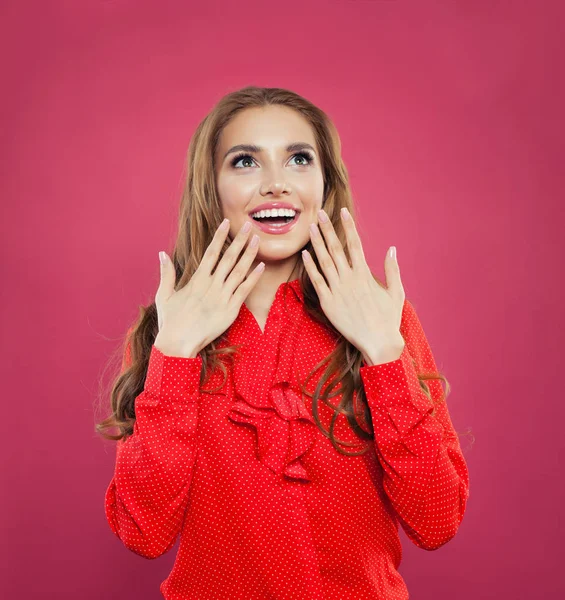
(266, 126)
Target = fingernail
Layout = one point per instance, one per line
(323, 216)
(345, 214)
(162, 257)
(246, 226)
(393, 252)
(225, 224)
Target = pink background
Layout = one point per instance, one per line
(451, 119)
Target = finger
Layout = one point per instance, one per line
(230, 256)
(316, 277)
(335, 248)
(392, 274)
(166, 286)
(167, 282)
(354, 244)
(243, 290)
(212, 252)
(326, 261)
(241, 269)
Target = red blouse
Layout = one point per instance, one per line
(265, 506)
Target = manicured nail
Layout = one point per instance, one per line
(225, 224)
(345, 214)
(323, 216)
(393, 252)
(314, 229)
(246, 226)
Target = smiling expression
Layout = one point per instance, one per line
(269, 155)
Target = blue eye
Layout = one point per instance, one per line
(242, 156)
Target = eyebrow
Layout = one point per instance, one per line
(295, 147)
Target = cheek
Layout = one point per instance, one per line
(234, 192)
(310, 188)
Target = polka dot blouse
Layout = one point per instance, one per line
(265, 506)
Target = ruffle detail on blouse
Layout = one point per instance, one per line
(285, 429)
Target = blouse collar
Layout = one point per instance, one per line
(272, 402)
(295, 286)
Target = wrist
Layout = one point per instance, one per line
(170, 348)
(384, 353)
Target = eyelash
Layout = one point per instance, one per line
(304, 153)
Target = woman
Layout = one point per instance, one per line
(228, 434)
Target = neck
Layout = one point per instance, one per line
(262, 294)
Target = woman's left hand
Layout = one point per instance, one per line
(365, 313)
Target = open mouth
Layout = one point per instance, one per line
(275, 224)
(275, 220)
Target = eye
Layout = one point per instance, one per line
(240, 157)
(244, 157)
(306, 155)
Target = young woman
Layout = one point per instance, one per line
(258, 361)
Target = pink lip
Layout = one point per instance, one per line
(269, 205)
(274, 229)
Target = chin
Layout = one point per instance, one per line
(275, 256)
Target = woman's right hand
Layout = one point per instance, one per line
(190, 318)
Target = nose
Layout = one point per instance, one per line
(276, 187)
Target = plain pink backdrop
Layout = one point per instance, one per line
(451, 120)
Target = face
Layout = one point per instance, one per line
(273, 173)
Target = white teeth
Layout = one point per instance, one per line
(274, 212)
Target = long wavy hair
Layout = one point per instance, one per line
(200, 215)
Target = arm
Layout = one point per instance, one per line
(149, 492)
(425, 474)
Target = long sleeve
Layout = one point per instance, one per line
(425, 474)
(149, 492)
